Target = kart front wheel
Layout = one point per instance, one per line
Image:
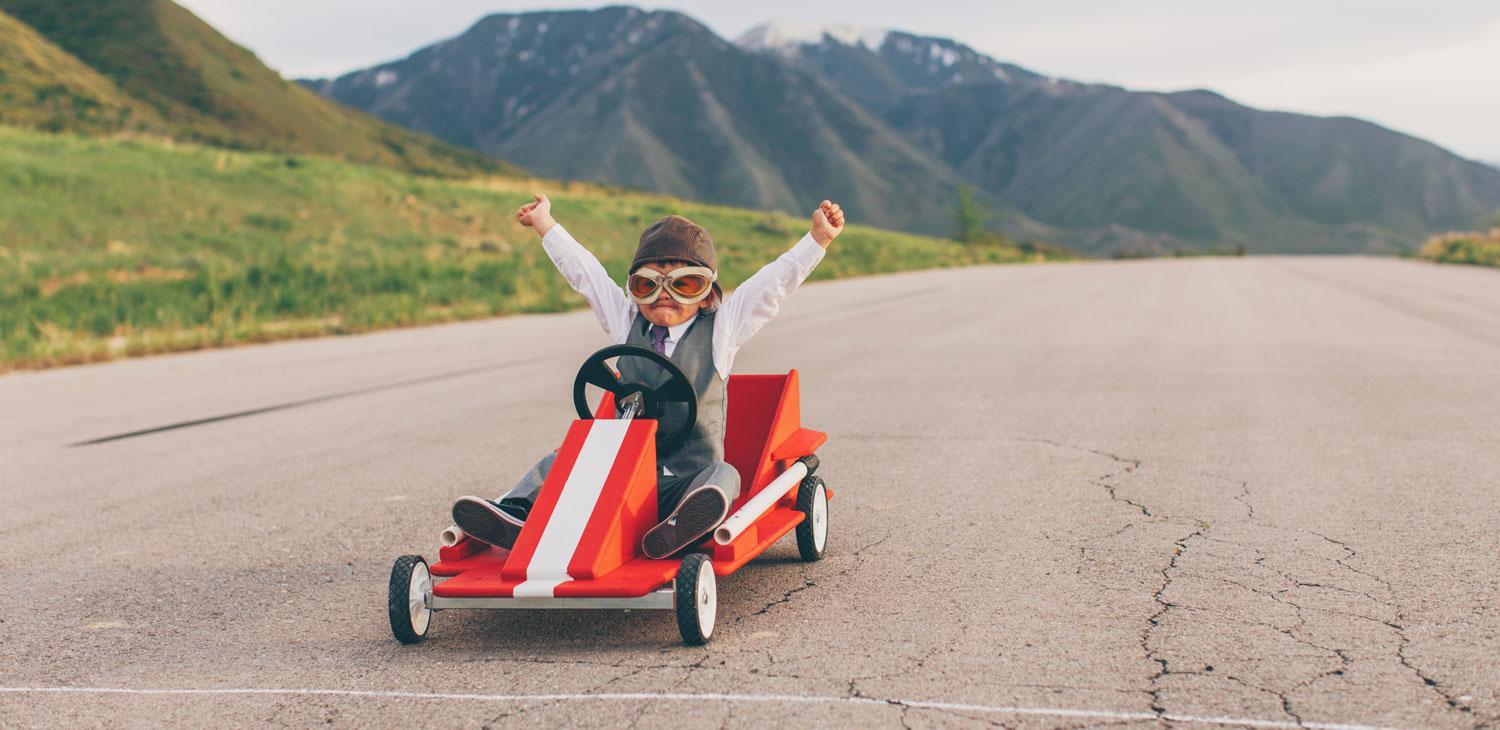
(697, 599)
(812, 531)
(410, 584)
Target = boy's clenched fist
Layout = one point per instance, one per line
(536, 214)
(827, 222)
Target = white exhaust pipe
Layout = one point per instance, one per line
(452, 536)
(760, 504)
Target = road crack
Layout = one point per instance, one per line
(1149, 640)
(858, 557)
(1399, 627)
(1148, 634)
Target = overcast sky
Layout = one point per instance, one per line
(1427, 68)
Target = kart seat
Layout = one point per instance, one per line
(763, 429)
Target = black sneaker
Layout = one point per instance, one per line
(498, 524)
(698, 513)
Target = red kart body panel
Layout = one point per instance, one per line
(582, 538)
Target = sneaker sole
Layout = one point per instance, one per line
(699, 514)
(486, 523)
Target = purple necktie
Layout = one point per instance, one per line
(659, 339)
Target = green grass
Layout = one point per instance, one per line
(43, 87)
(1475, 247)
(124, 247)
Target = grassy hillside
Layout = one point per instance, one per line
(110, 248)
(207, 89)
(44, 87)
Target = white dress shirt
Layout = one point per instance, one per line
(741, 314)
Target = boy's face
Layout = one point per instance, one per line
(666, 311)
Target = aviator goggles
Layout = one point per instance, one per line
(686, 284)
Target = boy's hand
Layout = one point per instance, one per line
(827, 223)
(537, 214)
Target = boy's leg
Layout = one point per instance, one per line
(523, 493)
(691, 506)
(499, 521)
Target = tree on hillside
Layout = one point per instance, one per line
(970, 218)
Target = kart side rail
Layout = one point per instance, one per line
(662, 598)
(765, 499)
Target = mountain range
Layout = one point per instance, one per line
(152, 67)
(894, 124)
(654, 100)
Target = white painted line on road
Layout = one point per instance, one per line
(687, 697)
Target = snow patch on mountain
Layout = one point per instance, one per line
(942, 54)
(786, 35)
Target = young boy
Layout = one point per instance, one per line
(674, 306)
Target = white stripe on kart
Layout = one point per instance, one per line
(549, 564)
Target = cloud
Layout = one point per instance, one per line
(1448, 92)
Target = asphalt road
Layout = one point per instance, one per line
(1182, 491)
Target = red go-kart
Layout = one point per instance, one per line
(580, 547)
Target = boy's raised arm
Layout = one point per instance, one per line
(757, 300)
(581, 269)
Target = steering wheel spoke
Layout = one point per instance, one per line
(596, 373)
(675, 391)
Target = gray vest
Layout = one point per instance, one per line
(694, 354)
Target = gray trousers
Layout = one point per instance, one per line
(669, 489)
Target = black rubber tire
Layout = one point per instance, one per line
(400, 614)
(807, 543)
(689, 623)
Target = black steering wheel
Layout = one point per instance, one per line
(674, 389)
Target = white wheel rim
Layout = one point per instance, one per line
(707, 599)
(416, 598)
(820, 518)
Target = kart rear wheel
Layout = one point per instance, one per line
(697, 599)
(410, 584)
(812, 531)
